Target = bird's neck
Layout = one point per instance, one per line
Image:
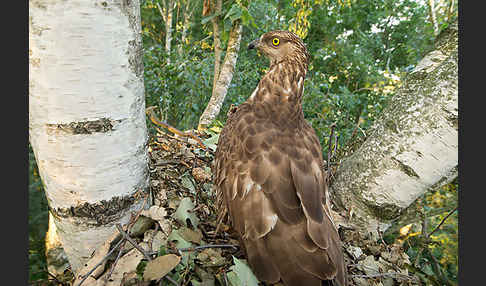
(283, 84)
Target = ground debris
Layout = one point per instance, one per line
(182, 219)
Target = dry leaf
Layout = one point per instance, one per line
(127, 263)
(191, 235)
(155, 212)
(160, 266)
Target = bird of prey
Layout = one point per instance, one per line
(268, 175)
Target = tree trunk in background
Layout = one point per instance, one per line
(167, 14)
(411, 149)
(432, 15)
(217, 43)
(225, 77)
(188, 11)
(87, 116)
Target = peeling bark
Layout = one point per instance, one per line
(87, 116)
(225, 76)
(411, 149)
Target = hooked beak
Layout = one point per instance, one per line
(254, 44)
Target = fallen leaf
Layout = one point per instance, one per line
(206, 278)
(211, 257)
(191, 235)
(355, 251)
(127, 263)
(160, 266)
(212, 141)
(180, 242)
(155, 212)
(241, 274)
(182, 213)
(201, 175)
(140, 226)
(99, 254)
(187, 182)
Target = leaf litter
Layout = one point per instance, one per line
(179, 231)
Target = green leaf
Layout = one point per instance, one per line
(234, 12)
(180, 242)
(241, 274)
(182, 213)
(187, 182)
(208, 18)
(212, 142)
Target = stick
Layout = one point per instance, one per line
(443, 220)
(171, 280)
(173, 129)
(330, 146)
(116, 260)
(102, 260)
(127, 237)
(208, 246)
(383, 274)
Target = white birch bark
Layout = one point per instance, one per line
(87, 116)
(188, 11)
(225, 77)
(433, 17)
(167, 14)
(411, 149)
(217, 44)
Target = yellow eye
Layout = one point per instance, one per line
(275, 41)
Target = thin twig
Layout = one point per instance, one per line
(173, 129)
(55, 278)
(383, 274)
(225, 278)
(330, 146)
(443, 220)
(134, 219)
(208, 246)
(127, 237)
(171, 280)
(102, 260)
(116, 260)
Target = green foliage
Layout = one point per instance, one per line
(432, 246)
(38, 219)
(241, 274)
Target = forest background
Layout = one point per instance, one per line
(361, 52)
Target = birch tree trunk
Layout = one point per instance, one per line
(167, 14)
(433, 17)
(188, 11)
(411, 149)
(217, 43)
(225, 76)
(87, 116)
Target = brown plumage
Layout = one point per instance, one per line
(268, 175)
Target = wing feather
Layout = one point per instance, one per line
(274, 189)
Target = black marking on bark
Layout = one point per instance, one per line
(97, 214)
(135, 47)
(385, 211)
(102, 125)
(406, 169)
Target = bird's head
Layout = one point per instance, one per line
(280, 45)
